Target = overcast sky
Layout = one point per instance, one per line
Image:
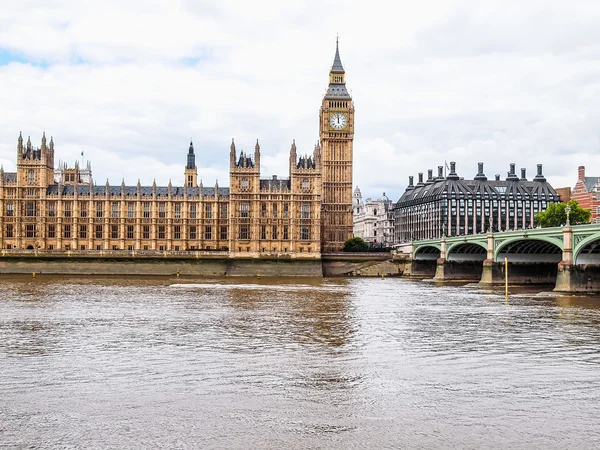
(129, 82)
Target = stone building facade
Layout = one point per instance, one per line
(301, 215)
(587, 193)
(373, 219)
(452, 206)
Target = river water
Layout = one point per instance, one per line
(282, 363)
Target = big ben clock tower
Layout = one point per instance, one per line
(336, 131)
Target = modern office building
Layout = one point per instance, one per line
(452, 206)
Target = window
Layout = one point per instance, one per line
(285, 232)
(10, 209)
(83, 231)
(115, 210)
(98, 231)
(177, 232)
(286, 210)
(30, 177)
(224, 211)
(208, 232)
(263, 231)
(30, 230)
(193, 211)
(129, 231)
(146, 210)
(274, 232)
(98, 209)
(244, 209)
(161, 231)
(161, 210)
(244, 232)
(67, 231)
(305, 211)
(263, 210)
(208, 211)
(83, 209)
(223, 232)
(274, 210)
(10, 231)
(305, 184)
(130, 210)
(114, 231)
(178, 210)
(245, 184)
(304, 233)
(146, 232)
(30, 209)
(51, 231)
(193, 233)
(51, 209)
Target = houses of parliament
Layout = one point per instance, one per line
(303, 215)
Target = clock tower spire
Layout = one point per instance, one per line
(336, 131)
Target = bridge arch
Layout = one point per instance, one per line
(587, 251)
(534, 249)
(429, 251)
(466, 251)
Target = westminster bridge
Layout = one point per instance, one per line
(567, 257)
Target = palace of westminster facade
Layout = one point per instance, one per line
(301, 216)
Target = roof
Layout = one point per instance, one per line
(590, 182)
(337, 62)
(131, 191)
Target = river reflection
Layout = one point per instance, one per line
(294, 363)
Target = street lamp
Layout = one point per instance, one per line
(568, 211)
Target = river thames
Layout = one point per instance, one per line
(282, 363)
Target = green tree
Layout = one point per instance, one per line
(555, 215)
(355, 244)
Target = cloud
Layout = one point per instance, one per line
(130, 82)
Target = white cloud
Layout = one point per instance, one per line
(130, 82)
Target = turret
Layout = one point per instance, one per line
(20, 145)
(293, 156)
(232, 153)
(44, 141)
(257, 155)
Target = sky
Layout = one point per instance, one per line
(128, 83)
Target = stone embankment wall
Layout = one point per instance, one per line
(198, 267)
(362, 264)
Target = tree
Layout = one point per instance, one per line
(556, 216)
(356, 244)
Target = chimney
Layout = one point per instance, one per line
(420, 179)
(440, 172)
(512, 176)
(497, 177)
(539, 176)
(429, 175)
(581, 173)
(452, 175)
(410, 180)
(480, 175)
(523, 174)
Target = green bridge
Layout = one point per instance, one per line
(568, 257)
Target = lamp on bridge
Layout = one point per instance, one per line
(568, 211)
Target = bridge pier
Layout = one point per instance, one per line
(421, 268)
(493, 273)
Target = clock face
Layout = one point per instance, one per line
(338, 121)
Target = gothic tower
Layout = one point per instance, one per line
(191, 172)
(336, 131)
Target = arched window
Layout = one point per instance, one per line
(30, 177)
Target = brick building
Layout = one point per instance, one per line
(587, 193)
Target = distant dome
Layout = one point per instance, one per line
(357, 190)
(384, 198)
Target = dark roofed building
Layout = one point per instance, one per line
(452, 206)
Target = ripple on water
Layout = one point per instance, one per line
(359, 363)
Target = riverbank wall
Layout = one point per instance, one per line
(197, 264)
(140, 264)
